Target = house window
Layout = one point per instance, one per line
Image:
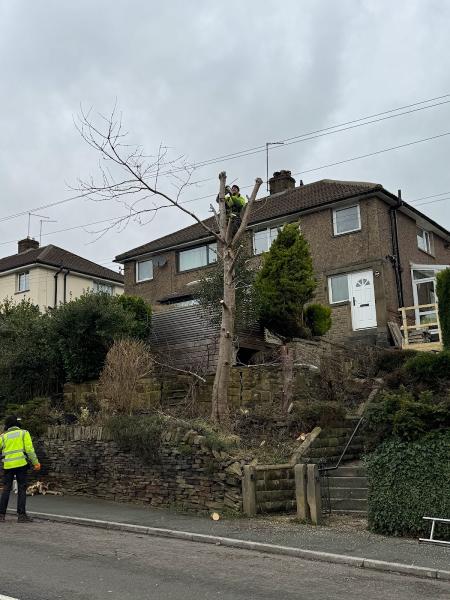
(424, 240)
(338, 288)
(346, 219)
(105, 288)
(262, 240)
(23, 281)
(194, 258)
(144, 270)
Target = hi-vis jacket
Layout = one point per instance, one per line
(15, 446)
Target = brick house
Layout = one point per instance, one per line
(372, 253)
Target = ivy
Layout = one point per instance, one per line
(407, 481)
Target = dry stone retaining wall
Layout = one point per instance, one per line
(84, 461)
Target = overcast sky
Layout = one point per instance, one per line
(208, 78)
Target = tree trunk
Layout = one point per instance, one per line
(229, 251)
(287, 367)
(219, 412)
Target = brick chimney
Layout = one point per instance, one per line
(27, 244)
(281, 181)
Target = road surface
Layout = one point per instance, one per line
(57, 561)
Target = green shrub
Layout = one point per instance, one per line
(138, 435)
(318, 413)
(443, 294)
(141, 312)
(429, 369)
(29, 362)
(318, 318)
(407, 481)
(389, 361)
(85, 329)
(35, 415)
(401, 415)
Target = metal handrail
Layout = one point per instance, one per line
(336, 466)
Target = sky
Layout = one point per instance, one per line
(207, 79)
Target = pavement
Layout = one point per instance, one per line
(339, 536)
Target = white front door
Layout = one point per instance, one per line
(362, 298)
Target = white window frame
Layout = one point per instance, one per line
(415, 281)
(211, 257)
(26, 275)
(428, 239)
(336, 210)
(330, 289)
(138, 262)
(269, 238)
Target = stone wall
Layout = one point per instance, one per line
(249, 384)
(188, 474)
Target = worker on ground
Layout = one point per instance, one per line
(16, 447)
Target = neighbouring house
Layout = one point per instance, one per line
(372, 253)
(50, 275)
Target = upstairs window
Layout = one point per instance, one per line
(262, 240)
(424, 240)
(105, 288)
(194, 258)
(346, 220)
(144, 270)
(23, 281)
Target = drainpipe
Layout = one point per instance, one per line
(55, 303)
(65, 285)
(395, 258)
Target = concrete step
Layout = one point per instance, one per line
(348, 504)
(341, 493)
(347, 482)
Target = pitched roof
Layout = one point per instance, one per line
(58, 257)
(304, 197)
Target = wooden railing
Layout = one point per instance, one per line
(411, 341)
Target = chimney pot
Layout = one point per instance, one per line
(27, 244)
(281, 181)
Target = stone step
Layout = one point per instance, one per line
(350, 471)
(341, 493)
(345, 504)
(353, 513)
(347, 482)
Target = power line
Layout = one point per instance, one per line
(341, 162)
(347, 125)
(347, 160)
(321, 132)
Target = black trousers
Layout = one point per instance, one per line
(21, 474)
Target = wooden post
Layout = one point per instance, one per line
(249, 491)
(405, 327)
(314, 494)
(300, 473)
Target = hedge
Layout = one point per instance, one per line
(407, 481)
(443, 294)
